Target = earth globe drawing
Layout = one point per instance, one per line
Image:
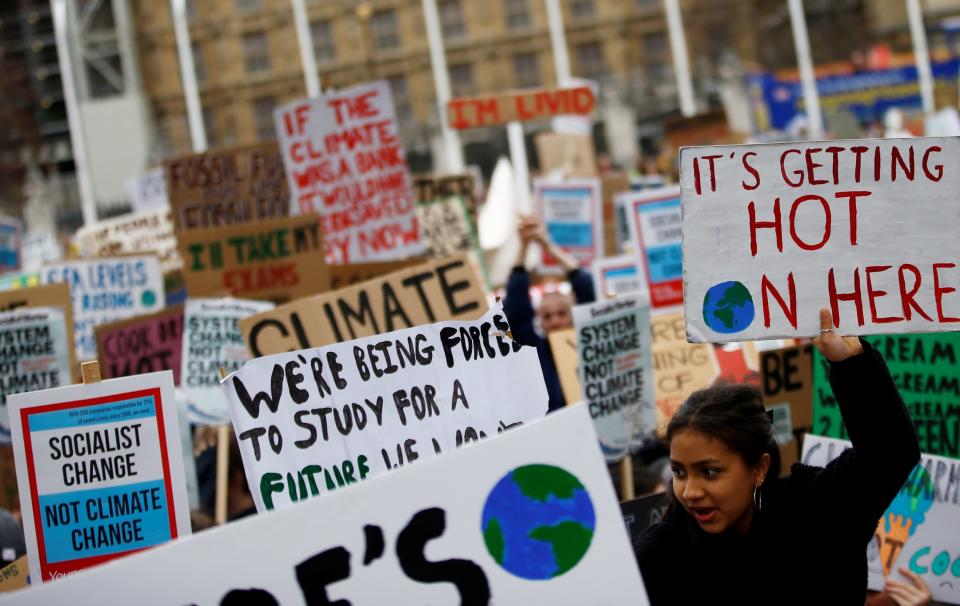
(728, 307)
(538, 522)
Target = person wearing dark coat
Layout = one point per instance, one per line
(554, 312)
(736, 533)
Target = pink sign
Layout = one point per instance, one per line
(141, 344)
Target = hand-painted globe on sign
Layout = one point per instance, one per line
(728, 307)
(538, 522)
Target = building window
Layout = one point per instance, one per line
(451, 20)
(461, 80)
(647, 5)
(401, 98)
(256, 52)
(263, 118)
(583, 9)
(386, 33)
(199, 65)
(518, 13)
(590, 60)
(324, 46)
(656, 56)
(248, 6)
(526, 70)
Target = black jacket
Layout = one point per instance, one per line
(808, 543)
(519, 311)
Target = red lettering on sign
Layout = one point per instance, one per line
(789, 311)
(854, 296)
(906, 298)
(775, 225)
(826, 222)
(939, 291)
(874, 294)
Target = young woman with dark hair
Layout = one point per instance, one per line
(737, 533)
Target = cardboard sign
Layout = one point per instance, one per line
(614, 276)
(520, 106)
(772, 233)
(56, 296)
(447, 531)
(148, 192)
(9, 499)
(342, 276)
(346, 163)
(100, 471)
(616, 376)
(653, 219)
(566, 359)
(104, 290)
(429, 187)
(679, 368)
(787, 389)
(34, 354)
(447, 228)
(572, 214)
(311, 421)
(640, 514)
(15, 575)
(927, 374)
(211, 341)
(919, 529)
(613, 243)
(149, 232)
(446, 289)
(276, 259)
(10, 234)
(141, 344)
(570, 155)
(227, 187)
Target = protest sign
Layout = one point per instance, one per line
(211, 341)
(227, 187)
(99, 470)
(520, 106)
(679, 368)
(446, 227)
(335, 415)
(18, 281)
(39, 248)
(926, 371)
(616, 382)
(570, 155)
(611, 186)
(653, 220)
(276, 259)
(104, 290)
(148, 192)
(447, 531)
(572, 213)
(772, 233)
(446, 289)
(614, 276)
(919, 530)
(566, 359)
(15, 575)
(10, 236)
(8, 480)
(55, 296)
(345, 162)
(787, 388)
(34, 354)
(642, 513)
(342, 276)
(149, 232)
(141, 344)
(430, 187)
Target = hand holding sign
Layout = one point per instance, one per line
(834, 347)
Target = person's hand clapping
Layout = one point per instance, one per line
(833, 346)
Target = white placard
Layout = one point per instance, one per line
(919, 529)
(39, 248)
(617, 276)
(99, 471)
(772, 233)
(309, 422)
(211, 341)
(148, 192)
(529, 517)
(345, 162)
(33, 355)
(572, 214)
(653, 222)
(104, 290)
(147, 232)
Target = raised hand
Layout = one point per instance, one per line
(834, 347)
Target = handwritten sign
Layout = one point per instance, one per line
(141, 344)
(442, 532)
(926, 371)
(342, 276)
(653, 220)
(346, 163)
(100, 471)
(211, 341)
(275, 259)
(617, 276)
(39, 248)
(227, 187)
(446, 289)
(149, 232)
(447, 228)
(311, 421)
(56, 296)
(616, 375)
(919, 530)
(520, 106)
(679, 368)
(787, 388)
(571, 211)
(431, 187)
(772, 233)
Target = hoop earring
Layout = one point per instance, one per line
(757, 497)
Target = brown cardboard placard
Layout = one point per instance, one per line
(141, 344)
(563, 348)
(610, 186)
(445, 289)
(49, 295)
(342, 276)
(429, 187)
(521, 106)
(227, 187)
(14, 575)
(275, 259)
(679, 368)
(787, 380)
(572, 155)
(8, 480)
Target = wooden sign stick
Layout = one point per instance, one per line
(223, 468)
